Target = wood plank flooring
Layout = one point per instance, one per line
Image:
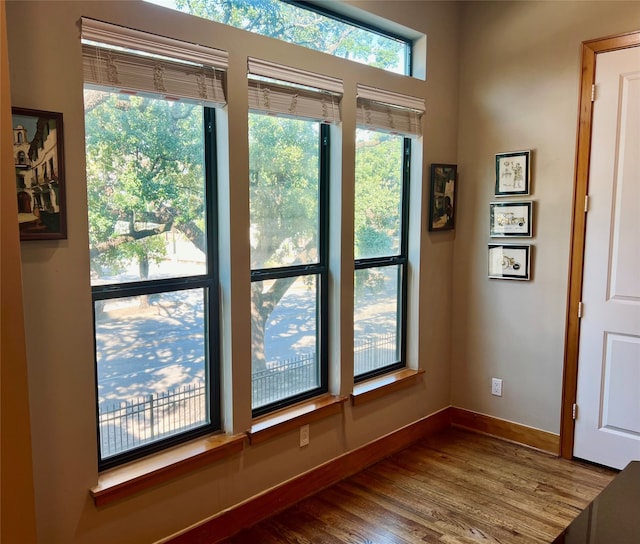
(456, 487)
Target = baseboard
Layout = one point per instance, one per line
(535, 438)
(260, 507)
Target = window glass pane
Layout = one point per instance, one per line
(145, 182)
(284, 339)
(378, 194)
(304, 27)
(376, 319)
(284, 191)
(151, 362)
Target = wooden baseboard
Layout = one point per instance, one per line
(262, 506)
(535, 438)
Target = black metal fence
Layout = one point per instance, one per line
(287, 378)
(128, 424)
(374, 353)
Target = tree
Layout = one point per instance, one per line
(378, 194)
(293, 24)
(284, 210)
(144, 177)
(145, 166)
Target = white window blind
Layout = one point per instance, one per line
(290, 92)
(387, 111)
(133, 62)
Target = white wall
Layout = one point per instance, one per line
(46, 73)
(519, 78)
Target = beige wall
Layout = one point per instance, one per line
(519, 77)
(45, 61)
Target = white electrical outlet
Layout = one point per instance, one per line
(496, 387)
(304, 436)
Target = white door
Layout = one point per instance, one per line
(607, 427)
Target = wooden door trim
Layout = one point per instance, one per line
(590, 49)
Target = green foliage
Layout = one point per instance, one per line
(378, 194)
(144, 175)
(293, 24)
(284, 182)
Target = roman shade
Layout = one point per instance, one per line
(135, 62)
(387, 111)
(290, 92)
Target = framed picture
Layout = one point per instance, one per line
(510, 218)
(38, 153)
(512, 173)
(509, 262)
(442, 201)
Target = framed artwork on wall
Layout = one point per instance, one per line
(38, 154)
(509, 262)
(442, 200)
(513, 173)
(510, 219)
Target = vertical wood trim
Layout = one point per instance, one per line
(17, 508)
(590, 50)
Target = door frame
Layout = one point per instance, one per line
(590, 49)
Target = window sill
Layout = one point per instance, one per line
(271, 425)
(383, 385)
(121, 482)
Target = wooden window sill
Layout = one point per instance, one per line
(121, 482)
(383, 385)
(266, 427)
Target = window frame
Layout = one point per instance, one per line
(402, 261)
(407, 69)
(209, 282)
(342, 18)
(319, 269)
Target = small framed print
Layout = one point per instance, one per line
(509, 262)
(38, 153)
(442, 202)
(512, 173)
(510, 219)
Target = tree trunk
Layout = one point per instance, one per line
(262, 305)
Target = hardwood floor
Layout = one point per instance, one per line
(456, 487)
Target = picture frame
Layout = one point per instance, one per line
(442, 199)
(511, 219)
(513, 172)
(38, 153)
(509, 262)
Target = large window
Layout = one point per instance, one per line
(386, 124)
(288, 180)
(152, 230)
(380, 250)
(308, 25)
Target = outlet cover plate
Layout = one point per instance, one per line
(304, 436)
(496, 387)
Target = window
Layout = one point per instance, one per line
(383, 158)
(308, 25)
(288, 169)
(151, 182)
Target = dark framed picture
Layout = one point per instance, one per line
(513, 173)
(38, 153)
(510, 219)
(442, 201)
(509, 262)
